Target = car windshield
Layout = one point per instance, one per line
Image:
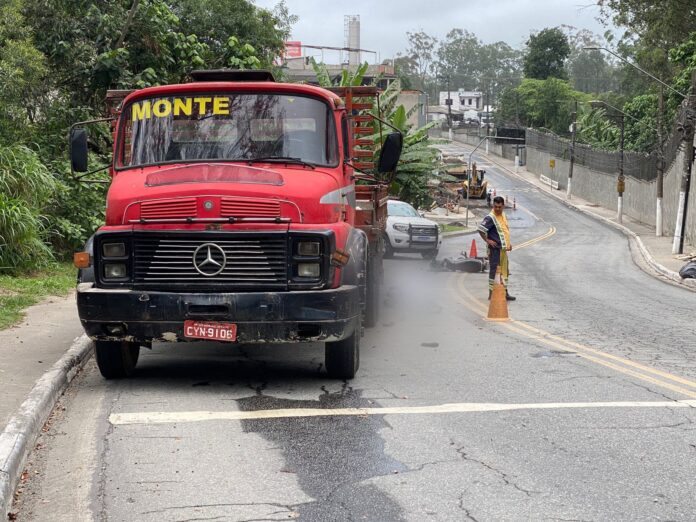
(228, 127)
(401, 210)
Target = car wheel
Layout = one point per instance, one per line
(116, 359)
(388, 249)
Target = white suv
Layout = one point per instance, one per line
(408, 232)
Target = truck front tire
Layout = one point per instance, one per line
(342, 358)
(116, 359)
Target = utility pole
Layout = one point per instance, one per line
(688, 130)
(517, 124)
(573, 129)
(621, 182)
(659, 185)
(449, 103)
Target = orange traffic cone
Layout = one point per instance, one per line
(498, 309)
(473, 253)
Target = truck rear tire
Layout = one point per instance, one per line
(372, 292)
(388, 249)
(342, 358)
(116, 359)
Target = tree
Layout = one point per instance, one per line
(546, 55)
(421, 52)
(545, 103)
(660, 24)
(215, 21)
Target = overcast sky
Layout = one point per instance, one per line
(384, 23)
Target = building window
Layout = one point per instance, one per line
(470, 101)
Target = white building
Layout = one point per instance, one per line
(463, 100)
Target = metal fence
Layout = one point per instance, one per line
(636, 165)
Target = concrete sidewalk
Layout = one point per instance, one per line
(32, 347)
(656, 252)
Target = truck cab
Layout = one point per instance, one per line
(231, 217)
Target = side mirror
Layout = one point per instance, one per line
(78, 150)
(391, 152)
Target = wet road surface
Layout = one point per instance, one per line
(219, 432)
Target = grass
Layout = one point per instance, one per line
(19, 292)
(452, 228)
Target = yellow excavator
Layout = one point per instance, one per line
(479, 186)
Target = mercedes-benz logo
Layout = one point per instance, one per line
(209, 259)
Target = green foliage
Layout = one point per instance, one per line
(348, 78)
(540, 103)
(58, 58)
(79, 209)
(470, 64)
(214, 21)
(25, 190)
(546, 54)
(595, 129)
(660, 24)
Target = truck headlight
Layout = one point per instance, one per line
(310, 270)
(401, 227)
(114, 249)
(308, 248)
(115, 271)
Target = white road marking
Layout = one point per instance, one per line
(177, 417)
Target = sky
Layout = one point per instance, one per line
(384, 23)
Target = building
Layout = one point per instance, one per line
(409, 99)
(463, 100)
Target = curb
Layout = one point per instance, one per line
(21, 432)
(634, 238)
(457, 233)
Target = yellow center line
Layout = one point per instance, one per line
(619, 364)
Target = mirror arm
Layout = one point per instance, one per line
(387, 123)
(81, 124)
(367, 174)
(79, 178)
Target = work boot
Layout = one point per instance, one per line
(509, 297)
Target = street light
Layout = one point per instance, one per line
(597, 48)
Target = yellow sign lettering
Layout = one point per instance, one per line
(166, 107)
(183, 106)
(202, 101)
(162, 108)
(221, 105)
(141, 111)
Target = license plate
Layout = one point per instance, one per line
(212, 331)
(423, 238)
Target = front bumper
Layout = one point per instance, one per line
(261, 317)
(403, 242)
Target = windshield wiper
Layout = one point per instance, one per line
(282, 159)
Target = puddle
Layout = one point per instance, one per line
(331, 456)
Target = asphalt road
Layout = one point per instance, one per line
(577, 409)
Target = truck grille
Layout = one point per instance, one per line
(253, 262)
(424, 231)
(168, 208)
(249, 208)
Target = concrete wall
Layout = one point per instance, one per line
(639, 198)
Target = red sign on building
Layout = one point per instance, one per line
(293, 49)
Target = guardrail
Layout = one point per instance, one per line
(548, 181)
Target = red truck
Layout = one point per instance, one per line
(233, 214)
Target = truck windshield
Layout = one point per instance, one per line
(228, 127)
